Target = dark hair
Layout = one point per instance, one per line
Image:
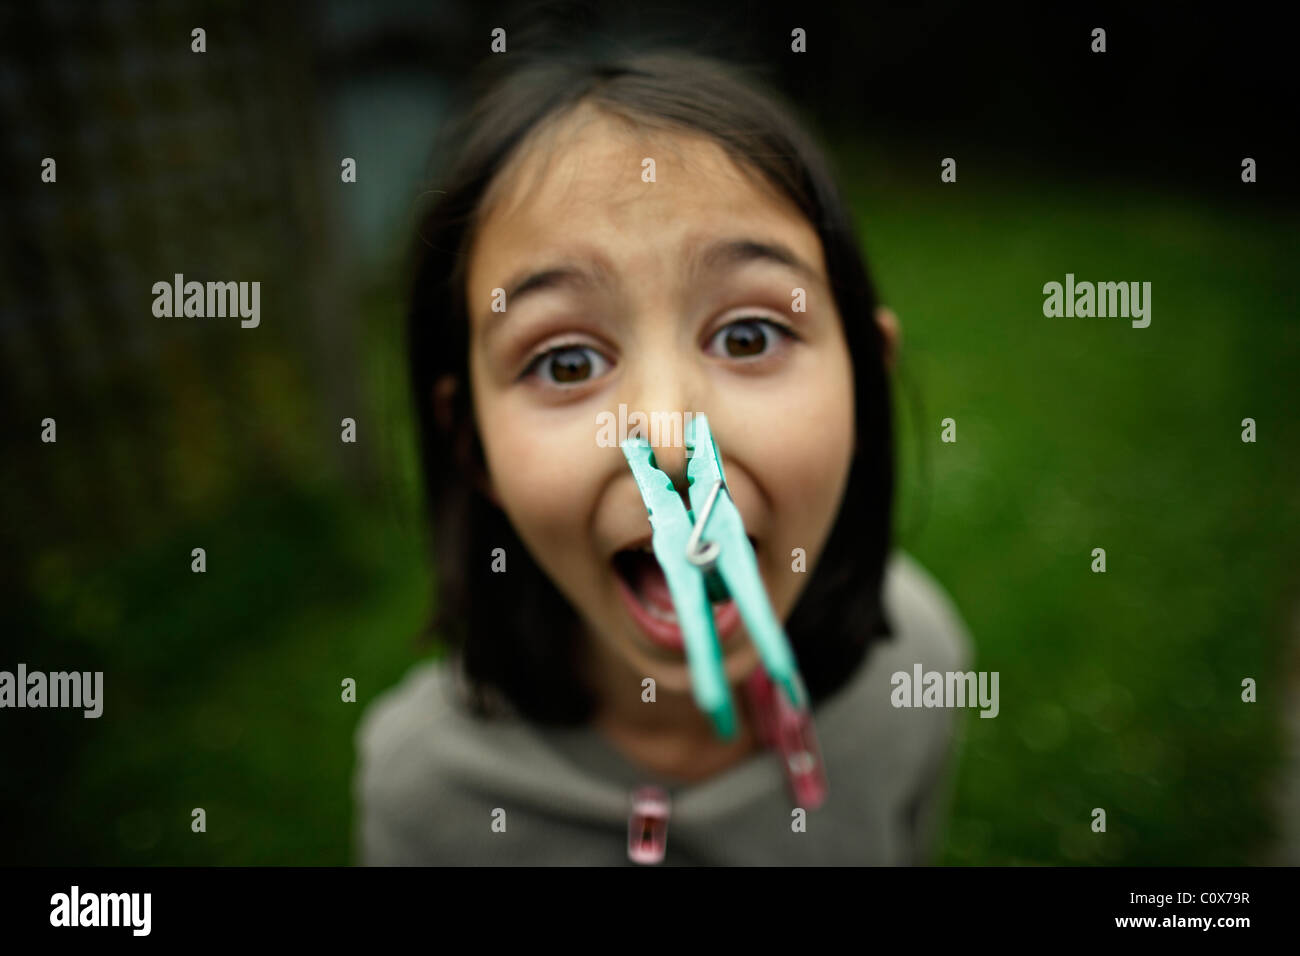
(514, 633)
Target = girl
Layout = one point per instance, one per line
(656, 233)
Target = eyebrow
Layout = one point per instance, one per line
(573, 273)
(730, 253)
(719, 255)
(566, 273)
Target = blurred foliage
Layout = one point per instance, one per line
(224, 688)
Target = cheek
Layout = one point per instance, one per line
(799, 455)
(541, 467)
(806, 481)
(809, 434)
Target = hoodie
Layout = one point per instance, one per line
(435, 785)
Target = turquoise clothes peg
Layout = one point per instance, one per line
(705, 552)
(671, 527)
(734, 559)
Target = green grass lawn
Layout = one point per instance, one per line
(225, 687)
(1118, 690)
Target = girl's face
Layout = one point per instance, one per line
(673, 296)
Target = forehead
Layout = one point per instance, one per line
(584, 179)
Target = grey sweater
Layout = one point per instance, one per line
(430, 776)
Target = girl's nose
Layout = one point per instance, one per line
(666, 405)
(672, 461)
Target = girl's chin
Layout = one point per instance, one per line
(672, 674)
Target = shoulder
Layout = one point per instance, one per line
(894, 758)
(927, 629)
(430, 775)
(404, 712)
(401, 761)
(927, 625)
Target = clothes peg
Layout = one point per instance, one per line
(705, 551)
(791, 734)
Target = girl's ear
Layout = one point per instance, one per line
(887, 321)
(468, 453)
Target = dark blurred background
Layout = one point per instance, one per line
(222, 690)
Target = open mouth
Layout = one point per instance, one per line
(644, 591)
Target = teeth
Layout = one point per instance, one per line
(660, 613)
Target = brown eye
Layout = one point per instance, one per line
(747, 338)
(569, 365)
